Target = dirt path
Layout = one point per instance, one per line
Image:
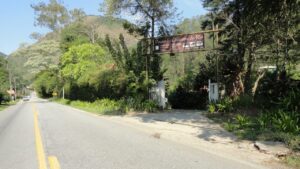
(193, 129)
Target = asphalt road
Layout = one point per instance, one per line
(30, 132)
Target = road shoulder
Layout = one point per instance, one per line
(192, 129)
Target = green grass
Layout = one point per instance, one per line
(3, 106)
(103, 107)
(7, 104)
(293, 161)
(242, 126)
(253, 128)
(111, 107)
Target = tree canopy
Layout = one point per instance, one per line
(52, 15)
(4, 79)
(80, 62)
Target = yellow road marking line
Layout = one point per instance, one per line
(34, 109)
(38, 142)
(53, 162)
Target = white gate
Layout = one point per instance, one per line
(213, 91)
(158, 94)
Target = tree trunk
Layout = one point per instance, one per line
(237, 86)
(257, 82)
(247, 81)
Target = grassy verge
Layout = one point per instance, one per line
(103, 107)
(7, 104)
(255, 128)
(110, 107)
(293, 161)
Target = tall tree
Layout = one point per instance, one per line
(73, 34)
(229, 15)
(133, 64)
(153, 14)
(125, 59)
(4, 79)
(81, 61)
(35, 36)
(77, 15)
(52, 15)
(249, 26)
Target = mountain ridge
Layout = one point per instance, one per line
(3, 54)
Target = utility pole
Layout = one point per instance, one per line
(217, 27)
(213, 28)
(15, 86)
(152, 48)
(63, 92)
(147, 71)
(10, 79)
(215, 38)
(9, 76)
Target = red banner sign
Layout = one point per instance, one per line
(180, 43)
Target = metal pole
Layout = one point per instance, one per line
(146, 66)
(213, 27)
(63, 93)
(209, 96)
(217, 59)
(9, 76)
(214, 36)
(15, 86)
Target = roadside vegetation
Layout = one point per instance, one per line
(111, 107)
(7, 104)
(4, 80)
(258, 71)
(107, 65)
(256, 65)
(104, 74)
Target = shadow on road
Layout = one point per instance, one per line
(39, 101)
(206, 129)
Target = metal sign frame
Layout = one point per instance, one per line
(179, 43)
(176, 44)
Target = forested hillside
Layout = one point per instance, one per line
(28, 60)
(254, 56)
(2, 54)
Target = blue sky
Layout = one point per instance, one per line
(17, 18)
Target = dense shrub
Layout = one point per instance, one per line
(264, 120)
(109, 106)
(286, 121)
(243, 101)
(224, 106)
(83, 93)
(103, 106)
(291, 101)
(138, 104)
(242, 120)
(46, 82)
(211, 108)
(278, 90)
(4, 97)
(279, 95)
